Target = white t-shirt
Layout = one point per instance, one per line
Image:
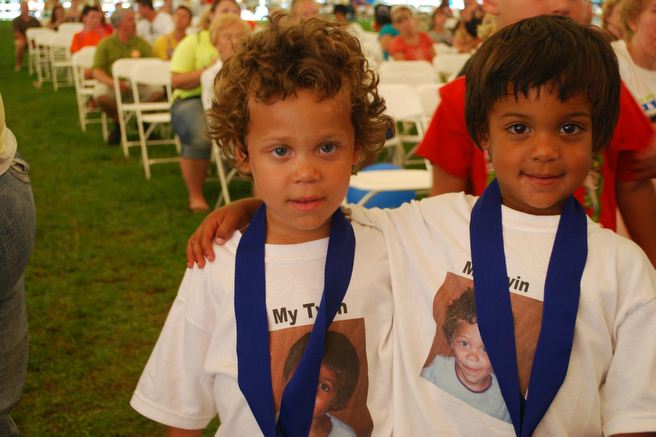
(207, 83)
(610, 385)
(192, 372)
(640, 81)
(161, 25)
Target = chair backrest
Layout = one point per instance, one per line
(84, 57)
(44, 39)
(448, 65)
(32, 32)
(71, 28)
(407, 72)
(152, 73)
(441, 48)
(402, 101)
(429, 93)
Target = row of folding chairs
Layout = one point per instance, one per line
(445, 67)
(411, 108)
(49, 54)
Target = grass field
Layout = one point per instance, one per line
(108, 258)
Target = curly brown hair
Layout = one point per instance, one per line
(277, 62)
(462, 308)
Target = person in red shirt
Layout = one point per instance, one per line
(614, 182)
(410, 44)
(93, 30)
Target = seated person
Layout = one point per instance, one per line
(152, 24)
(410, 44)
(165, 44)
(20, 24)
(93, 30)
(123, 43)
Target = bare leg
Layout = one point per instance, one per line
(20, 45)
(193, 173)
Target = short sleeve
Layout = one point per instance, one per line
(629, 391)
(100, 56)
(446, 142)
(159, 47)
(184, 55)
(632, 134)
(174, 388)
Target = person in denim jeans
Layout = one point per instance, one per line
(17, 231)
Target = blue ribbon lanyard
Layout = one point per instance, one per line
(253, 355)
(494, 312)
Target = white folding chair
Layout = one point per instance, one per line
(60, 59)
(42, 42)
(407, 72)
(121, 70)
(448, 65)
(429, 93)
(152, 113)
(371, 48)
(405, 107)
(33, 57)
(441, 48)
(71, 28)
(84, 89)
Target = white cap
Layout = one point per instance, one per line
(7, 142)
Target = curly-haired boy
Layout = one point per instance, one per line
(298, 109)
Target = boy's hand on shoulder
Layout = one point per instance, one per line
(219, 226)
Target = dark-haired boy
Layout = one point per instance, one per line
(616, 182)
(298, 108)
(562, 340)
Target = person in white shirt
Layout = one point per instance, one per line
(152, 24)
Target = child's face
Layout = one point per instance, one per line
(541, 149)
(301, 151)
(473, 367)
(326, 392)
(228, 39)
(508, 12)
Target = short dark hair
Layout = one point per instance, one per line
(463, 308)
(146, 3)
(339, 355)
(285, 58)
(340, 9)
(551, 51)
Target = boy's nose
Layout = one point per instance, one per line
(546, 148)
(305, 171)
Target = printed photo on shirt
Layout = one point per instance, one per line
(341, 402)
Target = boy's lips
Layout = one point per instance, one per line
(306, 203)
(543, 178)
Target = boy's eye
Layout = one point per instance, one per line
(280, 151)
(327, 148)
(324, 387)
(463, 343)
(570, 128)
(518, 129)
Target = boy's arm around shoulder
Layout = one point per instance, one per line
(219, 226)
(629, 391)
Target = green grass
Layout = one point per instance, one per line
(106, 265)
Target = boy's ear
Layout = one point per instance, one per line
(242, 163)
(491, 7)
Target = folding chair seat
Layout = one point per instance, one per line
(121, 70)
(60, 59)
(84, 89)
(394, 180)
(448, 65)
(150, 114)
(407, 72)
